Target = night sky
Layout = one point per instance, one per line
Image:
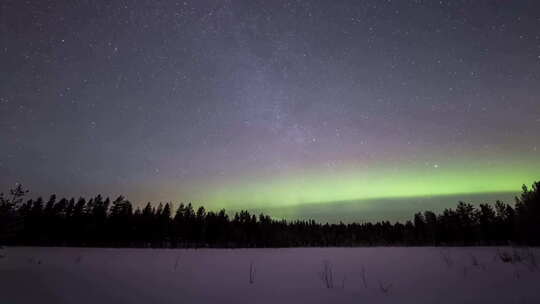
(297, 108)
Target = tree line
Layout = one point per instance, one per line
(102, 222)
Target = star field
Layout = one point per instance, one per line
(269, 104)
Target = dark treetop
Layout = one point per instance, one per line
(100, 222)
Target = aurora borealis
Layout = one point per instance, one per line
(271, 104)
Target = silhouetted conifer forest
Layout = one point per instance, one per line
(100, 222)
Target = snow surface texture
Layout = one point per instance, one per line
(298, 275)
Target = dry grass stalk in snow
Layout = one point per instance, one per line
(475, 262)
(504, 256)
(532, 261)
(33, 260)
(327, 275)
(364, 278)
(524, 256)
(446, 259)
(528, 258)
(176, 262)
(251, 273)
(385, 287)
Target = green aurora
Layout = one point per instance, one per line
(325, 186)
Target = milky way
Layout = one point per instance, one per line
(269, 104)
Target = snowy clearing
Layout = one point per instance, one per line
(296, 275)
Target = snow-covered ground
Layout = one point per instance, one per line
(354, 275)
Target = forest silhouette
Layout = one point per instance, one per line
(102, 222)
